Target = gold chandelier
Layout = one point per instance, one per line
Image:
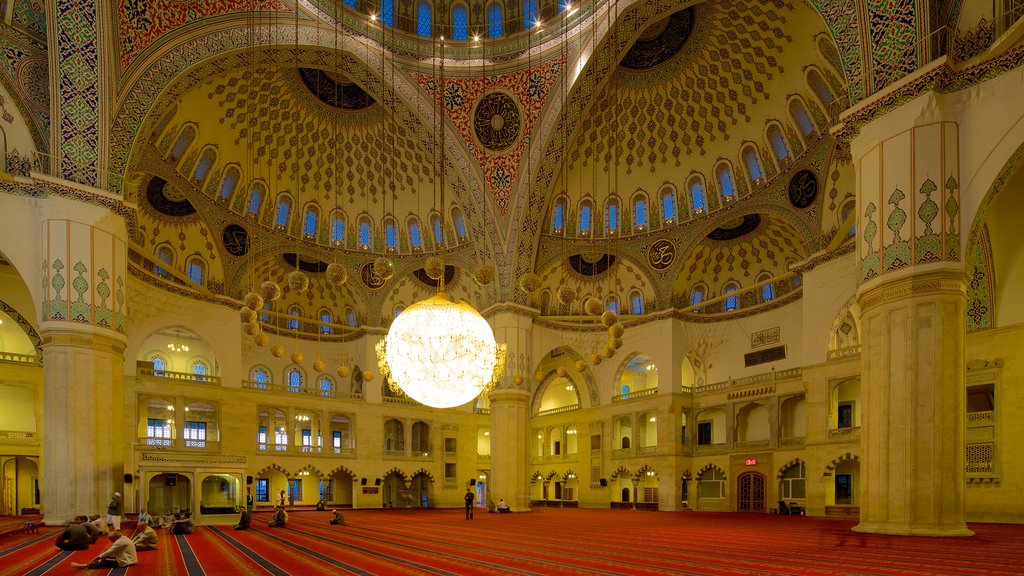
(441, 353)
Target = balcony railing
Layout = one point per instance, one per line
(773, 376)
(342, 451)
(979, 457)
(404, 400)
(558, 410)
(844, 434)
(720, 447)
(752, 444)
(180, 376)
(303, 390)
(986, 418)
(190, 444)
(272, 447)
(797, 441)
(634, 395)
(18, 358)
(16, 435)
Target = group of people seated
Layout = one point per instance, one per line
(280, 518)
(83, 531)
(501, 507)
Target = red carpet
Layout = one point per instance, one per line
(547, 541)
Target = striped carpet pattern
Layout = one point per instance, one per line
(547, 541)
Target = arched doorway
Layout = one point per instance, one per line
(751, 492)
(169, 492)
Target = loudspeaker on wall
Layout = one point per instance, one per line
(363, 482)
(248, 479)
(604, 482)
(472, 481)
(376, 482)
(127, 478)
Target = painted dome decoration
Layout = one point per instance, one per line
(660, 41)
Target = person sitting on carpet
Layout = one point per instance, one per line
(503, 507)
(491, 508)
(99, 523)
(338, 519)
(244, 521)
(120, 554)
(280, 518)
(145, 517)
(182, 524)
(74, 537)
(145, 538)
(166, 519)
(94, 532)
(321, 505)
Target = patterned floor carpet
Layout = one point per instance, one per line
(547, 541)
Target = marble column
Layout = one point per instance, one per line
(510, 404)
(913, 323)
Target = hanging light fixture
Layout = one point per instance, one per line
(177, 345)
(439, 352)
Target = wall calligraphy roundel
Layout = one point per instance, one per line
(661, 254)
(236, 240)
(803, 189)
(496, 121)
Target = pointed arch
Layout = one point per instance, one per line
(847, 457)
(274, 466)
(397, 472)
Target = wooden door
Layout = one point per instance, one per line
(751, 492)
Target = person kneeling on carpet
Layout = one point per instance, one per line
(338, 519)
(503, 507)
(75, 536)
(321, 505)
(120, 554)
(280, 518)
(145, 538)
(244, 521)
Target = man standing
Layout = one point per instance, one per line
(74, 537)
(114, 512)
(469, 504)
(248, 500)
(120, 554)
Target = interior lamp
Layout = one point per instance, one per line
(441, 353)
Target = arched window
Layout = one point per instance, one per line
(732, 301)
(586, 217)
(612, 303)
(779, 145)
(185, 138)
(350, 317)
(668, 205)
(203, 166)
(255, 203)
(228, 183)
(697, 294)
(495, 20)
(295, 312)
(712, 484)
(326, 385)
(820, 88)
(460, 224)
(399, 308)
(460, 22)
(768, 290)
(794, 482)
(844, 213)
(351, 3)
(697, 198)
(294, 377)
(284, 211)
(531, 16)
(558, 216)
(696, 190)
(437, 229)
(639, 213)
(802, 119)
(260, 375)
(338, 228)
(311, 221)
(325, 320)
(725, 182)
(415, 234)
(545, 301)
(387, 12)
(165, 254)
(200, 368)
(611, 217)
(424, 21)
(263, 316)
(391, 234)
(160, 363)
(636, 303)
(753, 164)
(196, 270)
(365, 233)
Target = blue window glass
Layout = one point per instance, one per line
(796, 280)
(387, 12)
(326, 384)
(460, 224)
(585, 219)
(820, 88)
(165, 255)
(725, 182)
(613, 218)
(639, 214)
(558, 216)
(284, 209)
(563, 5)
(159, 364)
(265, 317)
(255, 201)
(613, 304)
(415, 236)
(227, 185)
(697, 296)
(310, 224)
(294, 378)
(204, 165)
(260, 375)
(350, 318)
(182, 143)
(768, 292)
(196, 270)
(263, 484)
(391, 235)
(495, 24)
(697, 196)
(424, 23)
(350, 3)
(530, 14)
(636, 303)
(338, 229)
(365, 233)
(799, 114)
(668, 205)
(731, 302)
(460, 22)
(325, 318)
(753, 164)
(778, 143)
(293, 323)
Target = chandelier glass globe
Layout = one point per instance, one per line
(441, 353)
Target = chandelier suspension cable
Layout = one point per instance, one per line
(443, 167)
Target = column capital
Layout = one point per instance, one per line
(937, 281)
(83, 336)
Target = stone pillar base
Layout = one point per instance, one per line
(900, 529)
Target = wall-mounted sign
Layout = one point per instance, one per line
(661, 254)
(750, 462)
(765, 337)
(371, 489)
